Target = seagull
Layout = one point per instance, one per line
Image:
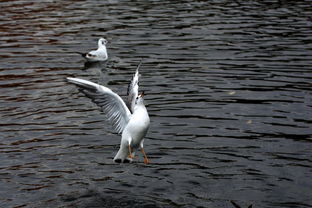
(97, 55)
(132, 122)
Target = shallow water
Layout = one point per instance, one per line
(228, 90)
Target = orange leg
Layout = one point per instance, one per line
(146, 161)
(130, 152)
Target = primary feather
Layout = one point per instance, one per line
(111, 104)
(133, 89)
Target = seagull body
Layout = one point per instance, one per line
(132, 124)
(132, 136)
(98, 55)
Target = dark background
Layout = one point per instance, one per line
(228, 90)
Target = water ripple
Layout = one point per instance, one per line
(228, 89)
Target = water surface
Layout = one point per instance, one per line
(228, 90)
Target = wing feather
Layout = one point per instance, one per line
(133, 89)
(116, 111)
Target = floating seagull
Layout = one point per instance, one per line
(132, 122)
(97, 55)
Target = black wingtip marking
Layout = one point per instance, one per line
(117, 160)
(235, 205)
(82, 54)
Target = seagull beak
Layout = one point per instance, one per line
(141, 94)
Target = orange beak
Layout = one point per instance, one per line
(141, 94)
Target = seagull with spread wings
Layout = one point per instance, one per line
(132, 122)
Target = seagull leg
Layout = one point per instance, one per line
(130, 152)
(146, 161)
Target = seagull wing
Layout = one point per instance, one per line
(133, 89)
(111, 104)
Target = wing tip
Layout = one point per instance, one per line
(71, 79)
(139, 65)
(81, 83)
(74, 80)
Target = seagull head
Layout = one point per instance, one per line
(139, 99)
(102, 42)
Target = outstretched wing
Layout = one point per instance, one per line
(133, 89)
(111, 104)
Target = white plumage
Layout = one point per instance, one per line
(98, 55)
(132, 124)
(133, 89)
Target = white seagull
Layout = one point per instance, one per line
(132, 122)
(97, 55)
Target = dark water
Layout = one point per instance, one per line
(228, 89)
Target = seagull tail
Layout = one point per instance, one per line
(82, 54)
(122, 155)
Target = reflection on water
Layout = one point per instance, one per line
(228, 89)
